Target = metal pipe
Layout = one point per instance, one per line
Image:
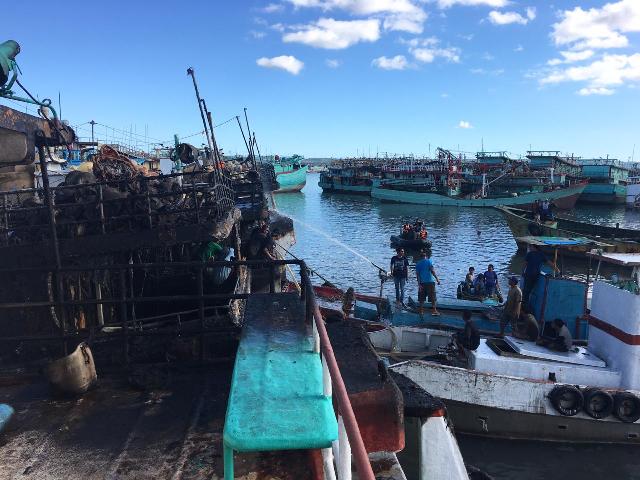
(243, 137)
(361, 458)
(191, 72)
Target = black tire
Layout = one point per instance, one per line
(566, 399)
(534, 229)
(597, 403)
(626, 407)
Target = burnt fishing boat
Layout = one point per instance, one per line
(129, 274)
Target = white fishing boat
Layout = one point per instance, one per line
(517, 389)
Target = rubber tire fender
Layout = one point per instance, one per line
(597, 403)
(563, 393)
(534, 229)
(621, 401)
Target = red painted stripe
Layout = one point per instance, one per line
(621, 335)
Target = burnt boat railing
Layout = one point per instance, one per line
(118, 313)
(140, 203)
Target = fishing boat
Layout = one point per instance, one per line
(518, 389)
(442, 182)
(449, 194)
(353, 176)
(398, 241)
(614, 239)
(607, 181)
(291, 176)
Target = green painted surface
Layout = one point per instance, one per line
(277, 400)
(291, 180)
(422, 198)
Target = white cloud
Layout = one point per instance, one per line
(257, 34)
(464, 124)
(482, 71)
(273, 8)
(426, 50)
(519, 48)
(288, 63)
(506, 18)
(571, 57)
(332, 63)
(399, 62)
(405, 22)
(398, 15)
(444, 95)
(487, 56)
(600, 75)
(473, 3)
(335, 34)
(598, 27)
(595, 91)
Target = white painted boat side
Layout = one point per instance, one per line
(474, 389)
(440, 457)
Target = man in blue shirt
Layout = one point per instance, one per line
(427, 280)
(533, 262)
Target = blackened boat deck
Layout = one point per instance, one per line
(117, 431)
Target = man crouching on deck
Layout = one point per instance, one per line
(427, 279)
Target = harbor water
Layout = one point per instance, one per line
(341, 236)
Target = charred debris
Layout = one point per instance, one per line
(143, 266)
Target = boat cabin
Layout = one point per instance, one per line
(562, 166)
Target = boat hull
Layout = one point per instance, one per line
(331, 187)
(511, 407)
(564, 198)
(291, 181)
(523, 227)
(604, 194)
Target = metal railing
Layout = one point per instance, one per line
(349, 445)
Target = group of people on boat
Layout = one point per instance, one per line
(542, 211)
(426, 277)
(480, 286)
(415, 231)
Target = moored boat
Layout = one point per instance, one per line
(522, 224)
(518, 389)
(291, 176)
(422, 194)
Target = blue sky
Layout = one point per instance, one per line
(339, 77)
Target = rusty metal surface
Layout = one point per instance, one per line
(21, 134)
(376, 400)
(172, 430)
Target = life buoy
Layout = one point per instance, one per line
(626, 407)
(566, 399)
(534, 229)
(597, 403)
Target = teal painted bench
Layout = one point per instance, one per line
(276, 400)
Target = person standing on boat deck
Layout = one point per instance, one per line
(427, 279)
(512, 306)
(491, 281)
(533, 262)
(400, 273)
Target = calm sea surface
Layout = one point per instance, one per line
(334, 232)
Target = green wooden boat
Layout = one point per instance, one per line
(290, 174)
(621, 240)
(447, 195)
